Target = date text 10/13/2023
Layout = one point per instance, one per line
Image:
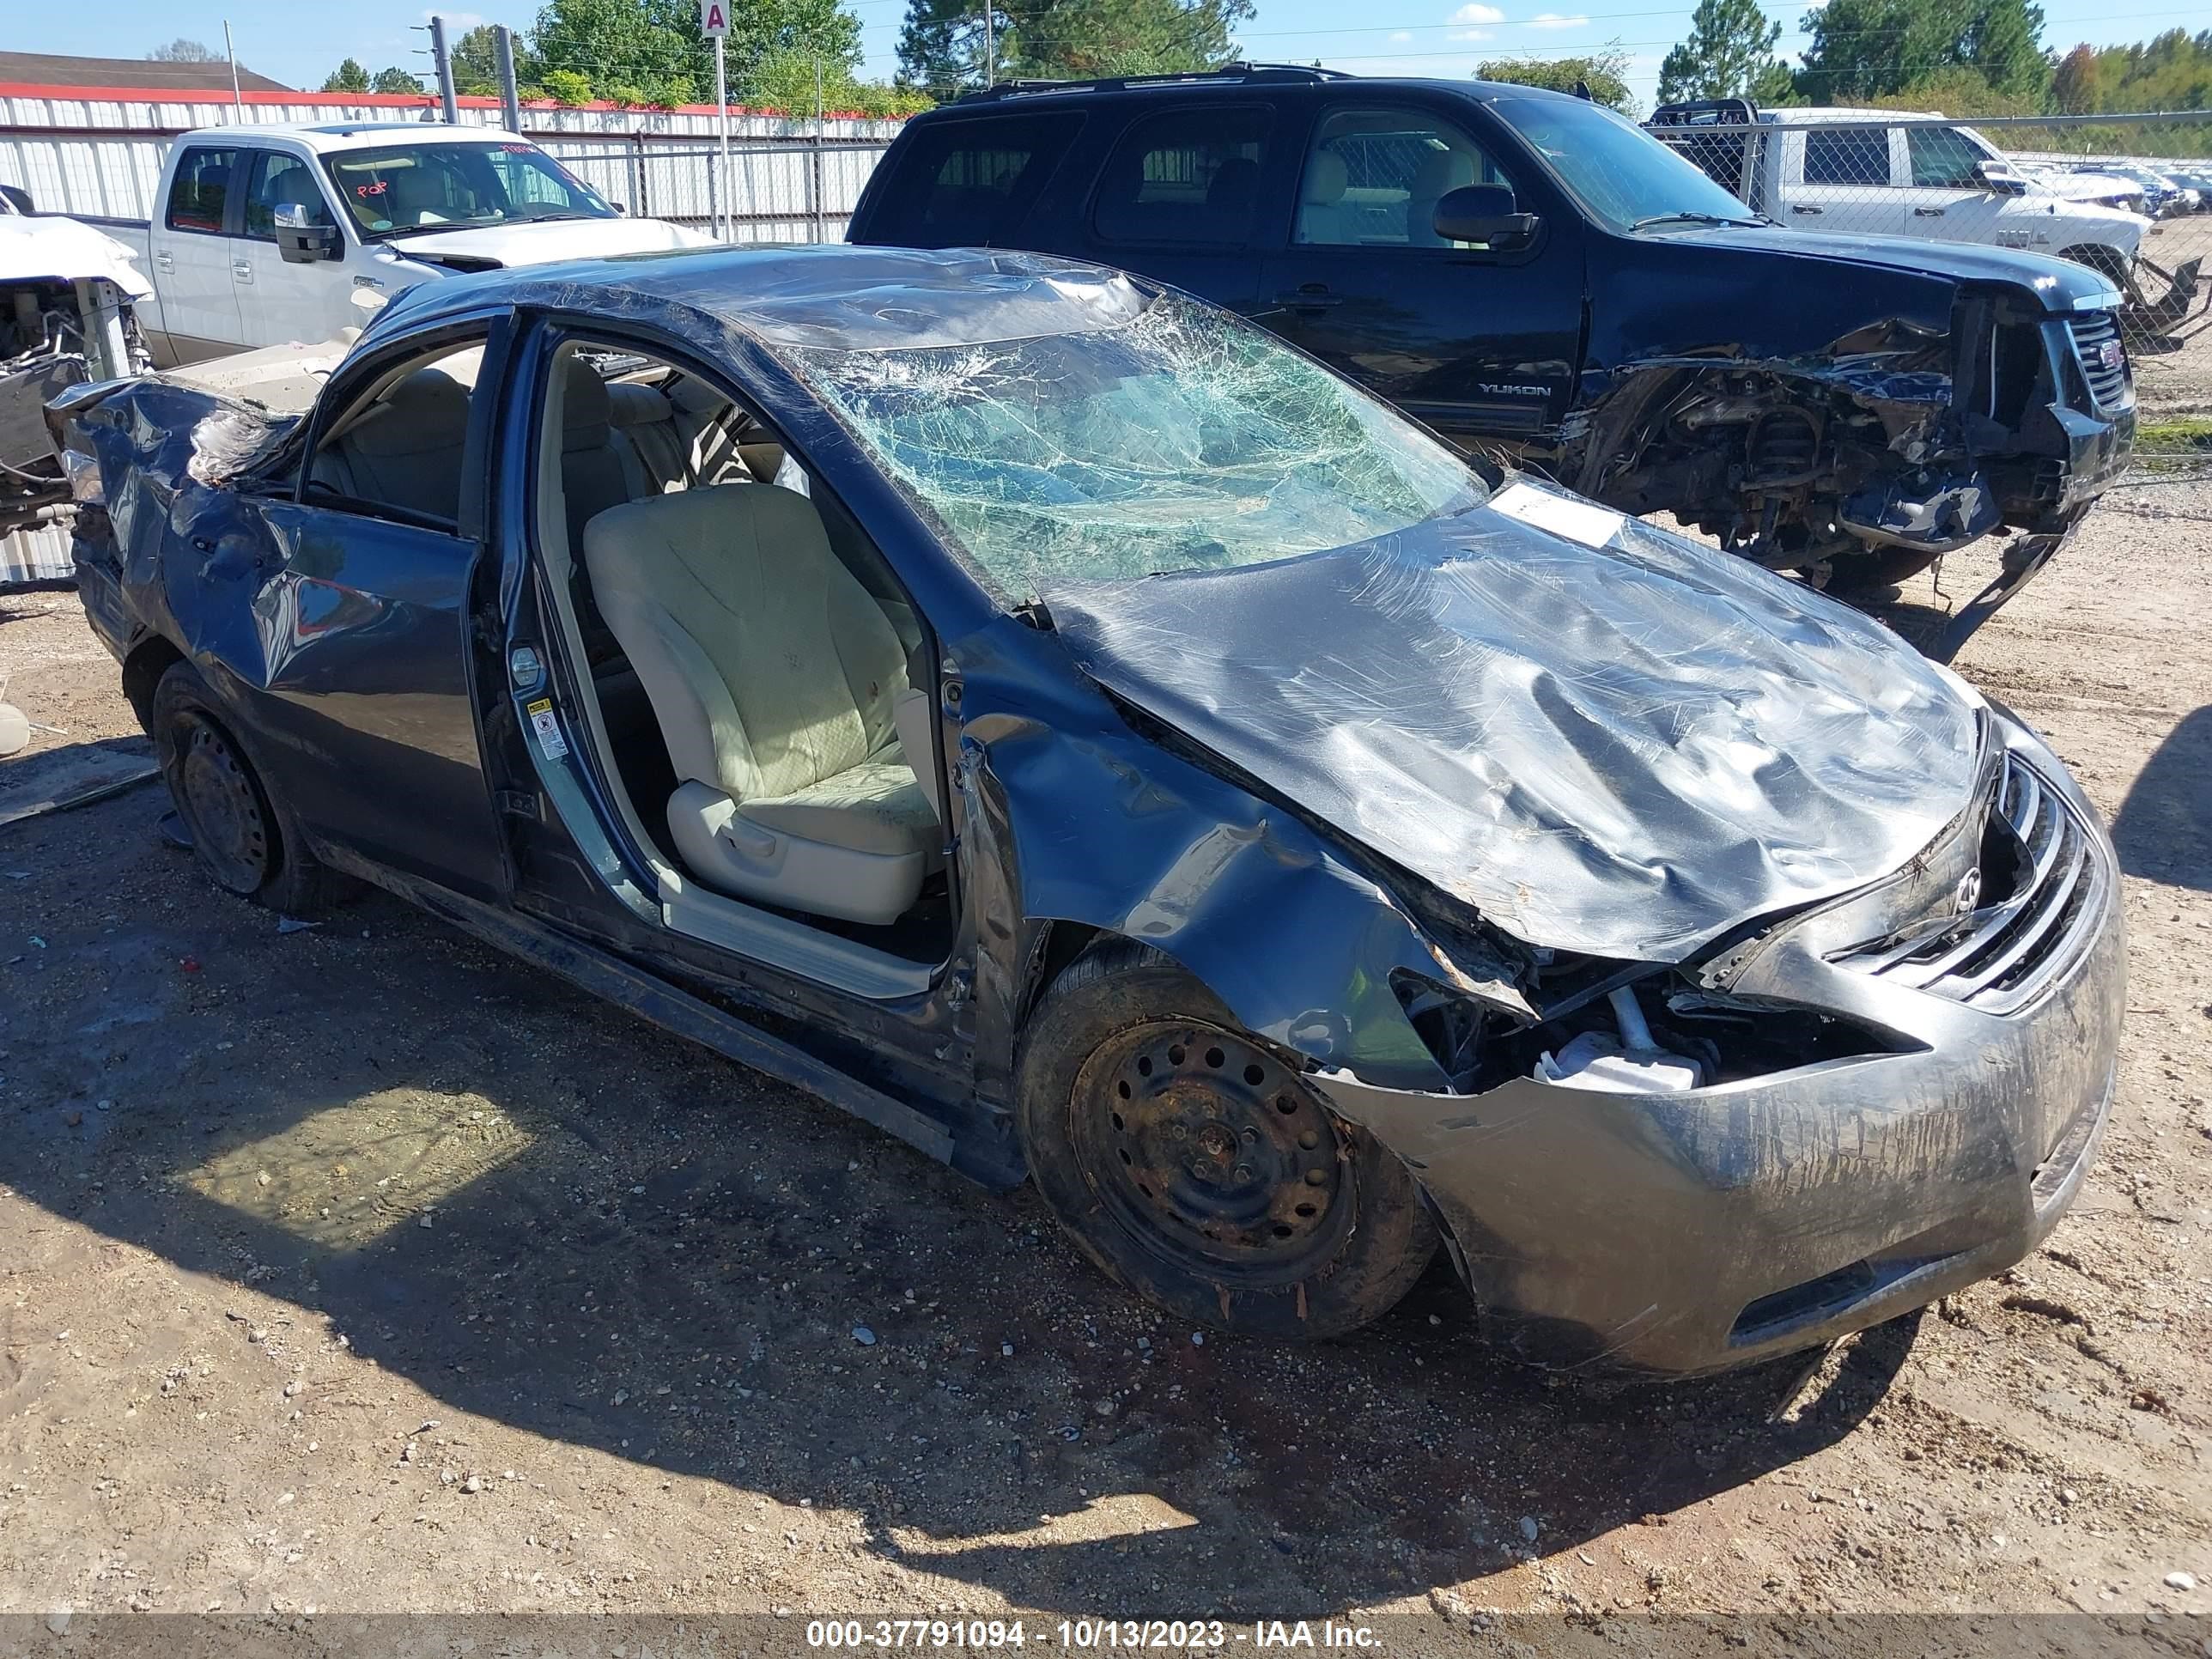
(1162, 1635)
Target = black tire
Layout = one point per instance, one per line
(1876, 569)
(1195, 1168)
(244, 838)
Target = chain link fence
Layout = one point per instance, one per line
(2130, 195)
(786, 189)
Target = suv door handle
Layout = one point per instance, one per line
(1311, 296)
(1802, 207)
(1928, 213)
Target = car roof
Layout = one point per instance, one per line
(325, 137)
(1255, 81)
(826, 294)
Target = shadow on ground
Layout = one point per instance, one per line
(635, 1247)
(2164, 830)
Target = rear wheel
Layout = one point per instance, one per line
(1194, 1166)
(243, 838)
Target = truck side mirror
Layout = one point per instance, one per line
(302, 244)
(1998, 177)
(1483, 213)
(18, 197)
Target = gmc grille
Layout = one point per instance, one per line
(2103, 358)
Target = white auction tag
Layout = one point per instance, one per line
(1578, 521)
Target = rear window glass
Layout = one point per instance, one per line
(1847, 155)
(1188, 177)
(200, 190)
(968, 183)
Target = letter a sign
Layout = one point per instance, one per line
(713, 18)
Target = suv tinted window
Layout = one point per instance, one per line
(969, 182)
(1187, 176)
(1943, 158)
(200, 189)
(1846, 156)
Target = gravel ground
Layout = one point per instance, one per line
(359, 1270)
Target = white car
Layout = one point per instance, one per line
(265, 235)
(1891, 173)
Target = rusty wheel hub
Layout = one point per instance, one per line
(1209, 1148)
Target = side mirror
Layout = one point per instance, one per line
(1997, 176)
(302, 244)
(1483, 213)
(620, 207)
(18, 199)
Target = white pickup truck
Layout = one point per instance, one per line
(265, 235)
(1890, 172)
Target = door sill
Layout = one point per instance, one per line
(763, 937)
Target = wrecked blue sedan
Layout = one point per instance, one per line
(1079, 733)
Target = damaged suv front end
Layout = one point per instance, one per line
(1856, 435)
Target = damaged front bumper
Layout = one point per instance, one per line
(1689, 1232)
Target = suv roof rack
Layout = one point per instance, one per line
(1240, 72)
(1705, 112)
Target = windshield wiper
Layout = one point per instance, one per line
(1693, 218)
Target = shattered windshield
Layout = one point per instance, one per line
(1181, 439)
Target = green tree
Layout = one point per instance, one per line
(1862, 50)
(1729, 54)
(476, 64)
(784, 82)
(651, 53)
(395, 79)
(941, 43)
(1605, 72)
(349, 76)
(181, 50)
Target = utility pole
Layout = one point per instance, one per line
(444, 61)
(990, 43)
(237, 98)
(510, 99)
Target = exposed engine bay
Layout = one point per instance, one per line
(1866, 463)
(66, 316)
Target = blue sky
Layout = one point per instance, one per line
(300, 44)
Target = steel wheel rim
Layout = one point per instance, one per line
(219, 801)
(1211, 1152)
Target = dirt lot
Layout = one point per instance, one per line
(357, 1269)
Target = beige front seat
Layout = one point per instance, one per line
(1322, 217)
(779, 686)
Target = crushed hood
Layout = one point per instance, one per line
(1604, 738)
(38, 249)
(544, 244)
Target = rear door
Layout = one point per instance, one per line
(190, 241)
(364, 605)
(1184, 197)
(1481, 343)
(277, 302)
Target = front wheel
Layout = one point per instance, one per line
(1194, 1166)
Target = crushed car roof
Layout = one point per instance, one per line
(827, 295)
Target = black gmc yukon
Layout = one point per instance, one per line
(1526, 272)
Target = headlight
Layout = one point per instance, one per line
(83, 471)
